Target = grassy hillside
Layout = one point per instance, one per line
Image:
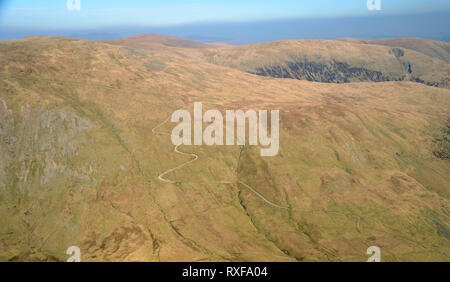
(432, 48)
(156, 41)
(82, 143)
(334, 61)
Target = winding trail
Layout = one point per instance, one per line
(196, 157)
(161, 176)
(259, 195)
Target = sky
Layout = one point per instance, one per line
(103, 18)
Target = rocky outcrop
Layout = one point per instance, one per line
(35, 144)
(334, 73)
(442, 143)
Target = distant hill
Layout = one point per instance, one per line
(340, 61)
(432, 48)
(155, 41)
(219, 44)
(333, 61)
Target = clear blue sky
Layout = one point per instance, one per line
(102, 13)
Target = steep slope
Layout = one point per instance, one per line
(83, 141)
(334, 61)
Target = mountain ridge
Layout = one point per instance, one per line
(338, 61)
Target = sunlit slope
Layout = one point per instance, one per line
(432, 48)
(334, 61)
(80, 162)
(156, 41)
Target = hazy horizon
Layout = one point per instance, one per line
(207, 22)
